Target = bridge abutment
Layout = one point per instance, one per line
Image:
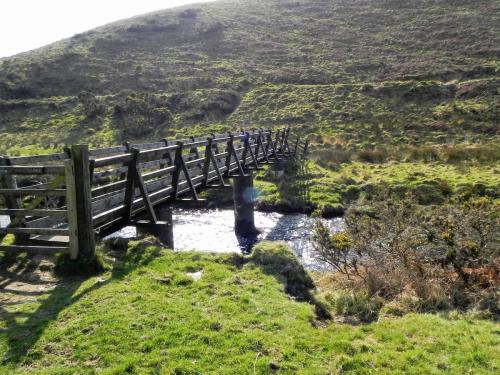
(277, 170)
(163, 228)
(244, 198)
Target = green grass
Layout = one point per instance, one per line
(147, 316)
(331, 190)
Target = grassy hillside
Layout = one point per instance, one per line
(364, 71)
(149, 316)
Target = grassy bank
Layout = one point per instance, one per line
(330, 190)
(149, 316)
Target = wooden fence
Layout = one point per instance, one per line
(63, 202)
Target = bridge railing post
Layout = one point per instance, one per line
(178, 167)
(296, 147)
(306, 147)
(286, 144)
(78, 182)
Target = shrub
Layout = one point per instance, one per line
(378, 155)
(329, 157)
(359, 305)
(435, 257)
(332, 210)
(428, 194)
(92, 106)
(351, 193)
(334, 250)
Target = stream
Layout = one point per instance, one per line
(213, 231)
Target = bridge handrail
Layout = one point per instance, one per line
(96, 190)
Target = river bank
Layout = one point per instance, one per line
(158, 311)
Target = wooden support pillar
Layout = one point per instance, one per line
(167, 154)
(246, 144)
(281, 147)
(136, 172)
(194, 149)
(232, 151)
(277, 143)
(82, 200)
(255, 162)
(271, 145)
(244, 199)
(178, 168)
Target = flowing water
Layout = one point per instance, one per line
(213, 231)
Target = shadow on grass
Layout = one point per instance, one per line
(278, 260)
(23, 329)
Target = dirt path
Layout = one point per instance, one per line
(24, 279)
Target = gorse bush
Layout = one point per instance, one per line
(91, 105)
(444, 256)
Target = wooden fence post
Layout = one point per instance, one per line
(83, 200)
(72, 209)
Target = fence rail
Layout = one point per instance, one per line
(62, 202)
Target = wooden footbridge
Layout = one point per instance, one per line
(63, 202)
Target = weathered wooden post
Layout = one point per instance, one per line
(244, 198)
(72, 209)
(82, 202)
(8, 181)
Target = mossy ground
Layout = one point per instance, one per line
(148, 316)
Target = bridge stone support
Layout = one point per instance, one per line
(163, 228)
(277, 170)
(244, 199)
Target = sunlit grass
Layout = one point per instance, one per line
(149, 316)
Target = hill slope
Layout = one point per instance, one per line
(194, 65)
